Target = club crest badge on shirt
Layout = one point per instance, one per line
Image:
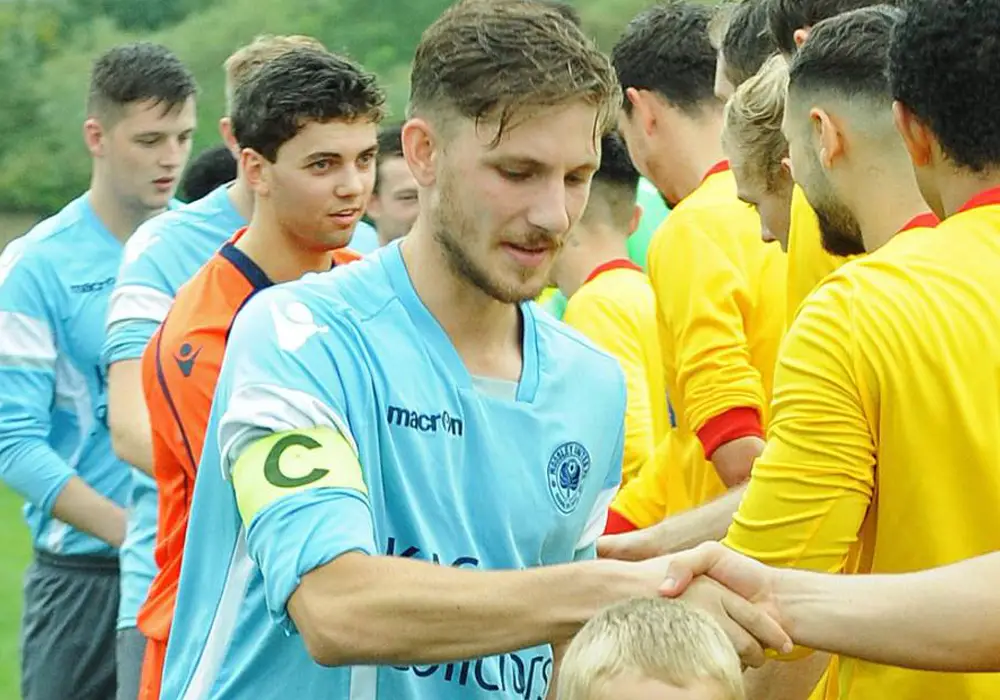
(567, 470)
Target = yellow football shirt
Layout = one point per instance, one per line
(616, 309)
(882, 449)
(720, 294)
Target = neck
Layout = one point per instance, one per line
(957, 189)
(241, 197)
(898, 201)
(482, 329)
(120, 219)
(278, 253)
(602, 245)
(697, 148)
(383, 240)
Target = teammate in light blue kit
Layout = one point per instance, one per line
(162, 255)
(54, 446)
(405, 459)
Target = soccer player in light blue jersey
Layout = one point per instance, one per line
(407, 462)
(163, 254)
(54, 444)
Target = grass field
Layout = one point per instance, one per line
(15, 548)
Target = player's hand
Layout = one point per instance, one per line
(634, 546)
(740, 574)
(749, 626)
(746, 577)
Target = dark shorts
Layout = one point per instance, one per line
(68, 628)
(130, 651)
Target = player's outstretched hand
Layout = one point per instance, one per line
(752, 627)
(746, 577)
(749, 626)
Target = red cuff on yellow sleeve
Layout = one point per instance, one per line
(618, 524)
(733, 424)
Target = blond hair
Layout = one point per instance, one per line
(664, 640)
(264, 48)
(751, 131)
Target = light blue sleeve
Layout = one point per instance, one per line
(141, 299)
(291, 371)
(28, 353)
(303, 532)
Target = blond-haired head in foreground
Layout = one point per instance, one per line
(651, 649)
(757, 150)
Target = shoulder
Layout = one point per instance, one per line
(203, 217)
(713, 209)
(46, 243)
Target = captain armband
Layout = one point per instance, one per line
(287, 463)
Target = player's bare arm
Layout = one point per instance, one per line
(84, 508)
(675, 534)
(359, 609)
(825, 611)
(128, 418)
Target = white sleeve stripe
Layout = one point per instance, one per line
(134, 302)
(25, 341)
(598, 518)
(256, 411)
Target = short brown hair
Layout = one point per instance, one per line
(656, 638)
(264, 48)
(489, 60)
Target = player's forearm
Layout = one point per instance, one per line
(945, 619)
(386, 610)
(128, 417)
(85, 509)
(701, 524)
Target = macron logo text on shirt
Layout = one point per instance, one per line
(425, 423)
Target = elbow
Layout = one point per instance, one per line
(331, 628)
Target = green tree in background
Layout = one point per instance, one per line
(47, 47)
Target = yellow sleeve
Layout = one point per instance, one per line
(704, 299)
(603, 322)
(660, 489)
(808, 261)
(810, 490)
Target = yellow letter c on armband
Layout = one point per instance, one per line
(287, 463)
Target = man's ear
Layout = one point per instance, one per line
(633, 223)
(920, 141)
(830, 136)
(421, 149)
(256, 171)
(93, 137)
(228, 138)
(643, 113)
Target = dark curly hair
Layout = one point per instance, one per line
(944, 63)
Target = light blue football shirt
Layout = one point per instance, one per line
(163, 254)
(364, 240)
(55, 282)
(455, 476)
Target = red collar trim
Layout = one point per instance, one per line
(983, 199)
(926, 220)
(720, 167)
(618, 264)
